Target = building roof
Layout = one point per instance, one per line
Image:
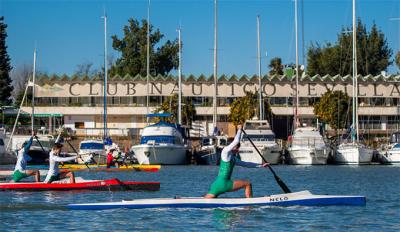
(45, 79)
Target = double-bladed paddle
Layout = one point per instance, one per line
(277, 178)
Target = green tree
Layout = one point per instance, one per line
(245, 108)
(171, 105)
(276, 67)
(333, 108)
(133, 48)
(6, 87)
(398, 59)
(373, 53)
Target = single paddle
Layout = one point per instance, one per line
(73, 148)
(37, 139)
(278, 180)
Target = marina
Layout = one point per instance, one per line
(289, 122)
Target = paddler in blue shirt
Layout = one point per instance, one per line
(20, 171)
(223, 183)
(54, 173)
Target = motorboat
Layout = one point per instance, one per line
(39, 150)
(92, 151)
(263, 138)
(307, 146)
(161, 143)
(390, 153)
(210, 149)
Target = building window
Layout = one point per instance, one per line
(79, 125)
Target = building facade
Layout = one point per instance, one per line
(78, 102)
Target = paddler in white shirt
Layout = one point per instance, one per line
(20, 171)
(54, 173)
(223, 182)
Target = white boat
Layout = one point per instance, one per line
(390, 154)
(92, 151)
(210, 149)
(263, 138)
(353, 152)
(308, 147)
(161, 143)
(303, 198)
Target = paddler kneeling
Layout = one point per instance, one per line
(54, 158)
(223, 183)
(20, 171)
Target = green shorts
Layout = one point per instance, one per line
(220, 186)
(18, 175)
(54, 178)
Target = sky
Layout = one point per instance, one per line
(69, 33)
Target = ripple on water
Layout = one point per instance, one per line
(381, 185)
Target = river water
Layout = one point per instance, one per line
(46, 211)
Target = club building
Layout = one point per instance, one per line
(78, 102)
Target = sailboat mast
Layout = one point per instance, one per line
(297, 66)
(180, 79)
(215, 66)
(148, 58)
(259, 67)
(33, 90)
(355, 87)
(105, 78)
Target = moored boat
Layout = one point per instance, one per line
(390, 154)
(96, 185)
(263, 137)
(308, 147)
(92, 150)
(303, 198)
(161, 143)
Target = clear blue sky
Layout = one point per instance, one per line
(68, 33)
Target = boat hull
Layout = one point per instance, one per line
(353, 154)
(97, 185)
(160, 154)
(271, 154)
(304, 198)
(391, 157)
(308, 156)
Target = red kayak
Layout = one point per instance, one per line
(97, 185)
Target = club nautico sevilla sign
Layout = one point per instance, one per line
(282, 87)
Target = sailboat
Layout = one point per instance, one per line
(259, 131)
(212, 145)
(306, 145)
(94, 150)
(354, 152)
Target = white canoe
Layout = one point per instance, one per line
(303, 198)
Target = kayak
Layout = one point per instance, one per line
(303, 198)
(99, 185)
(102, 167)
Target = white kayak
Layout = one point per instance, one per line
(303, 198)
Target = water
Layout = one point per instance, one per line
(46, 211)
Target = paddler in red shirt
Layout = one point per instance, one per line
(110, 158)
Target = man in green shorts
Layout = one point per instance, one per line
(54, 172)
(20, 171)
(223, 183)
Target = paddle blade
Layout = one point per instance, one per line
(282, 184)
